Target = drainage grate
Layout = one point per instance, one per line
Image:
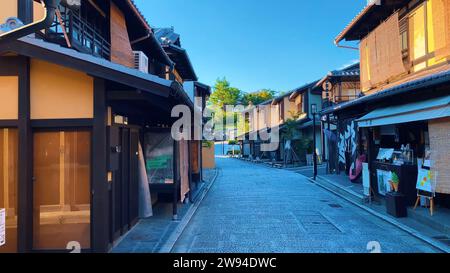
(315, 223)
(336, 206)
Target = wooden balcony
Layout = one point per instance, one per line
(81, 35)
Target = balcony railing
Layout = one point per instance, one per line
(86, 38)
(82, 36)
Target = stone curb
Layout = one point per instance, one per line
(440, 246)
(167, 247)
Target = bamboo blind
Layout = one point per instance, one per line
(381, 54)
(364, 65)
(441, 27)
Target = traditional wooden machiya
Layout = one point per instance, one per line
(401, 120)
(77, 101)
(293, 108)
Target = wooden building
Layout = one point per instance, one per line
(293, 107)
(339, 146)
(405, 103)
(77, 100)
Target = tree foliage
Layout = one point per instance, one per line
(257, 97)
(224, 94)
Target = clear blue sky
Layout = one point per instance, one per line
(255, 44)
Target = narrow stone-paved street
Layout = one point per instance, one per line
(253, 208)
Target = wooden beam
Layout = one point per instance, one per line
(162, 104)
(100, 188)
(97, 8)
(9, 66)
(90, 68)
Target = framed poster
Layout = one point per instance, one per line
(2, 227)
(383, 178)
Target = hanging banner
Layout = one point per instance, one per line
(2, 227)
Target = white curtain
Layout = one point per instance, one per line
(145, 200)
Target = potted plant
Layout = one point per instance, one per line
(395, 181)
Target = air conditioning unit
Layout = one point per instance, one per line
(140, 61)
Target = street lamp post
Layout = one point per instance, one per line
(314, 112)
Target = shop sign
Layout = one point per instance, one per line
(2, 227)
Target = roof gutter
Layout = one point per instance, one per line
(165, 59)
(50, 7)
(181, 95)
(184, 52)
(346, 47)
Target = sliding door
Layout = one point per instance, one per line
(62, 183)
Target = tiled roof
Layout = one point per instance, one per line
(138, 13)
(414, 82)
(166, 36)
(170, 41)
(349, 71)
(358, 17)
(352, 70)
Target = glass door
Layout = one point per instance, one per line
(61, 191)
(8, 188)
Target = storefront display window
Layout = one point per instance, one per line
(62, 187)
(159, 148)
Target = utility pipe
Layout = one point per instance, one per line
(50, 7)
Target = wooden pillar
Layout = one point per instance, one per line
(25, 182)
(176, 179)
(370, 158)
(338, 127)
(201, 161)
(100, 229)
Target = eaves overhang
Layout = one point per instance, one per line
(97, 67)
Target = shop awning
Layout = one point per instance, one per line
(423, 110)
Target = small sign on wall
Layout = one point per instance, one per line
(2, 227)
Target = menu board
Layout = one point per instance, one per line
(2, 227)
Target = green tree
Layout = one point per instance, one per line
(258, 97)
(223, 94)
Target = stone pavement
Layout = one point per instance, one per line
(150, 234)
(252, 208)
